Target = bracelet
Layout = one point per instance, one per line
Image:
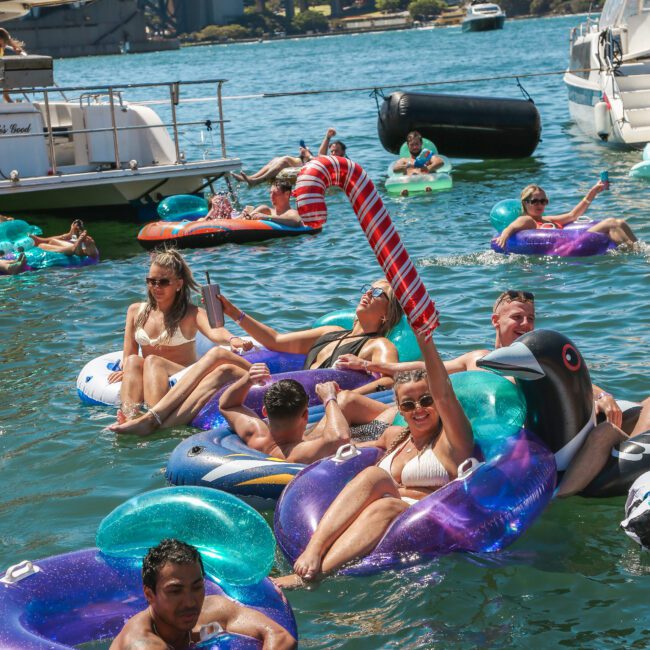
(366, 363)
(240, 318)
(155, 416)
(329, 399)
(601, 395)
(587, 200)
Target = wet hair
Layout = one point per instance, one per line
(169, 550)
(412, 135)
(285, 399)
(526, 193)
(173, 261)
(340, 143)
(283, 186)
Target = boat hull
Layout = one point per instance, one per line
(483, 24)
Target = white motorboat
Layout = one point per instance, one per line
(609, 74)
(483, 16)
(88, 147)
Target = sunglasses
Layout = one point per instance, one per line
(375, 292)
(536, 201)
(155, 282)
(409, 405)
(514, 296)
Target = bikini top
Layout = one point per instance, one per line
(353, 347)
(142, 338)
(425, 470)
(548, 225)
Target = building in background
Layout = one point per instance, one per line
(194, 15)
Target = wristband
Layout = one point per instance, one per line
(240, 318)
(366, 363)
(328, 400)
(601, 395)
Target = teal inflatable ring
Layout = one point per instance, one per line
(401, 335)
(235, 542)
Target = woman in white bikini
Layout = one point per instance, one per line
(419, 459)
(164, 328)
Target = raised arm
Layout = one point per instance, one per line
(238, 619)
(579, 209)
(218, 335)
(130, 345)
(325, 144)
(456, 426)
(242, 420)
(294, 342)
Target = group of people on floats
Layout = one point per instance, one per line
(418, 458)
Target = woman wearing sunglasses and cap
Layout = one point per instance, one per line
(534, 202)
(164, 327)
(420, 458)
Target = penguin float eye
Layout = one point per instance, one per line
(571, 357)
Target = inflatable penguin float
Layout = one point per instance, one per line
(555, 381)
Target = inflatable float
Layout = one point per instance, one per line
(485, 509)
(93, 387)
(15, 239)
(220, 459)
(550, 370)
(87, 596)
(409, 184)
(637, 512)
(573, 240)
(182, 207)
(201, 234)
(462, 126)
(642, 169)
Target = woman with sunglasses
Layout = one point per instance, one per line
(164, 327)
(377, 313)
(420, 458)
(534, 202)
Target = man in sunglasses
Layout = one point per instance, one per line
(283, 433)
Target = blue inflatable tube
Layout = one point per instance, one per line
(85, 596)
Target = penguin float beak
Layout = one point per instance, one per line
(516, 360)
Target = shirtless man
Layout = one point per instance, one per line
(276, 165)
(173, 580)
(286, 407)
(413, 165)
(281, 212)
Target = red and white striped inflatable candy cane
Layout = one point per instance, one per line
(327, 171)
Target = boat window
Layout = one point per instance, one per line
(645, 5)
(614, 11)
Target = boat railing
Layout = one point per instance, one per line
(113, 97)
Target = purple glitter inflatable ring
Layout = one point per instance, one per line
(484, 510)
(85, 596)
(573, 240)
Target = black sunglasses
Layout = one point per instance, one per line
(375, 292)
(156, 282)
(409, 405)
(514, 296)
(537, 201)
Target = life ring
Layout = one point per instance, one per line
(200, 234)
(181, 207)
(549, 369)
(64, 601)
(486, 508)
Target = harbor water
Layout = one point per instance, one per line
(574, 579)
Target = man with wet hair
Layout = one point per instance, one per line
(284, 434)
(179, 611)
(281, 212)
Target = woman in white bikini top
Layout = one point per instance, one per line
(419, 459)
(164, 329)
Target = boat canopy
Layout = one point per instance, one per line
(11, 9)
(618, 12)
